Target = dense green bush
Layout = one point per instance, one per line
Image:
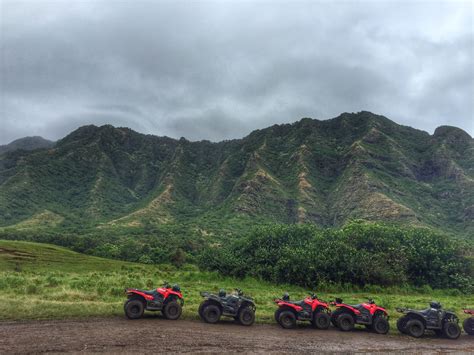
(360, 253)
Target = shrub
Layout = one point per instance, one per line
(359, 254)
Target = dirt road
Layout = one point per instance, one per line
(116, 335)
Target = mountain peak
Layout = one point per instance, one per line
(26, 143)
(451, 132)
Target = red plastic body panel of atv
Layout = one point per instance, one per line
(314, 303)
(282, 303)
(136, 292)
(166, 292)
(371, 307)
(469, 311)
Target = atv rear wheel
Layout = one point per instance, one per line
(380, 325)
(345, 322)
(287, 319)
(321, 320)
(211, 313)
(402, 323)
(246, 316)
(172, 310)
(451, 330)
(415, 328)
(134, 309)
(277, 315)
(468, 326)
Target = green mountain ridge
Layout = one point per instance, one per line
(355, 166)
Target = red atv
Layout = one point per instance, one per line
(468, 324)
(368, 314)
(166, 299)
(310, 309)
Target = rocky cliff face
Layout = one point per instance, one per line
(324, 172)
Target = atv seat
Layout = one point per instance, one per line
(297, 303)
(151, 292)
(359, 307)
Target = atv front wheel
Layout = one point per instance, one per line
(380, 325)
(402, 323)
(468, 326)
(415, 328)
(451, 330)
(134, 309)
(287, 319)
(345, 322)
(334, 316)
(172, 310)
(246, 316)
(211, 313)
(201, 307)
(321, 320)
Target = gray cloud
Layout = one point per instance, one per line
(214, 70)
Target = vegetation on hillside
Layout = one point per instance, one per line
(40, 281)
(356, 166)
(359, 254)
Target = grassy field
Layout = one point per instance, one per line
(41, 281)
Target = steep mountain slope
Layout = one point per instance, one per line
(26, 143)
(324, 172)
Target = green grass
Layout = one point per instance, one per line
(41, 281)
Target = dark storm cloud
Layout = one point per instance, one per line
(214, 70)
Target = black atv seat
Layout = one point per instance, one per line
(229, 298)
(429, 311)
(359, 307)
(151, 292)
(297, 303)
(356, 306)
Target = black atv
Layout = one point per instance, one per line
(238, 306)
(435, 318)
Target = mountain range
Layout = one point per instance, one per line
(326, 172)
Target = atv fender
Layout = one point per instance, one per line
(288, 308)
(248, 304)
(137, 297)
(173, 298)
(413, 315)
(213, 302)
(322, 309)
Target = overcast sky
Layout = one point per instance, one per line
(216, 70)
